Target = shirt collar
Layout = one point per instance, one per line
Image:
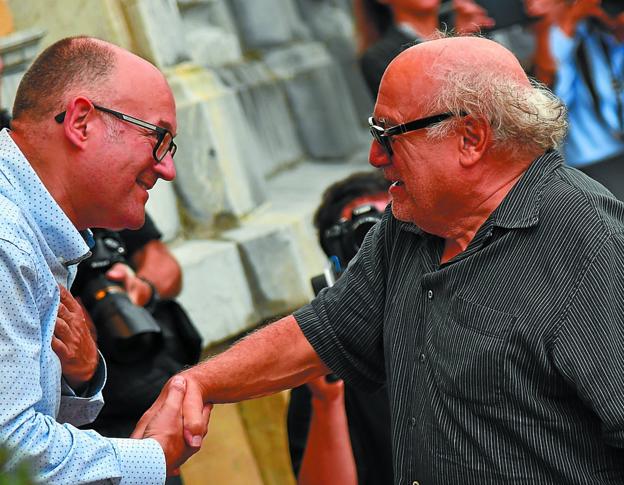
(28, 192)
(521, 206)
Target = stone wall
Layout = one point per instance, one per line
(265, 90)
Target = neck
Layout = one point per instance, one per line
(467, 226)
(424, 23)
(48, 170)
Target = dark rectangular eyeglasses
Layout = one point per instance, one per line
(165, 141)
(382, 135)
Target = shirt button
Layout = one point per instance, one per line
(412, 422)
(422, 358)
(430, 294)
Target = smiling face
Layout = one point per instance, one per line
(424, 172)
(121, 169)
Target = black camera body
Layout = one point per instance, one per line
(612, 7)
(126, 332)
(342, 241)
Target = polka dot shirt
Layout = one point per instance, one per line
(39, 248)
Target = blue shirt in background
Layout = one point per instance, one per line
(591, 137)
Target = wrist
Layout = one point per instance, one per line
(153, 295)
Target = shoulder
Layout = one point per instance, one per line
(14, 227)
(582, 207)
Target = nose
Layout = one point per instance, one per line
(166, 168)
(377, 156)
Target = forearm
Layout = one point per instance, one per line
(272, 359)
(328, 456)
(156, 264)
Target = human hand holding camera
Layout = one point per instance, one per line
(73, 342)
(139, 291)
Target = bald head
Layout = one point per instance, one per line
(476, 76)
(435, 60)
(75, 66)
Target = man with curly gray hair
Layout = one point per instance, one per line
(489, 298)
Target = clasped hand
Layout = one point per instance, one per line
(178, 420)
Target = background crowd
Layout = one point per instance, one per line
(576, 47)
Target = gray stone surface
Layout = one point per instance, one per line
(210, 32)
(17, 51)
(157, 30)
(273, 265)
(215, 291)
(268, 23)
(163, 208)
(326, 119)
(330, 23)
(219, 157)
(266, 108)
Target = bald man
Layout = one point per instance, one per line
(490, 298)
(84, 149)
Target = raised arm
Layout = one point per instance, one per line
(275, 358)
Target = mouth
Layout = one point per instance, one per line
(145, 185)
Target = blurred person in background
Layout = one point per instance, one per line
(397, 24)
(338, 434)
(142, 265)
(587, 44)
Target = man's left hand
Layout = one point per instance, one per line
(73, 343)
(139, 291)
(470, 17)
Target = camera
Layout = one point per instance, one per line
(612, 7)
(342, 241)
(126, 332)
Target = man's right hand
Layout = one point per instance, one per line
(572, 13)
(164, 422)
(187, 426)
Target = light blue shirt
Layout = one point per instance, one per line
(589, 139)
(39, 248)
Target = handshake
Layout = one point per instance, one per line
(174, 422)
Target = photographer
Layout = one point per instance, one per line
(137, 271)
(336, 433)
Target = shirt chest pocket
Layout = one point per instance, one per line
(468, 351)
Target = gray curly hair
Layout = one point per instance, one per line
(524, 118)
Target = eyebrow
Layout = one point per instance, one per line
(165, 124)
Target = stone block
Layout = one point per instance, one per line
(215, 291)
(330, 23)
(158, 31)
(63, 18)
(219, 158)
(226, 456)
(265, 422)
(266, 108)
(163, 208)
(268, 23)
(17, 51)
(273, 265)
(326, 119)
(210, 32)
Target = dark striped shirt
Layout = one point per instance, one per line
(506, 364)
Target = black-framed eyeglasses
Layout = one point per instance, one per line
(165, 141)
(382, 135)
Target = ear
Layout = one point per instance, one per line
(78, 121)
(475, 135)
